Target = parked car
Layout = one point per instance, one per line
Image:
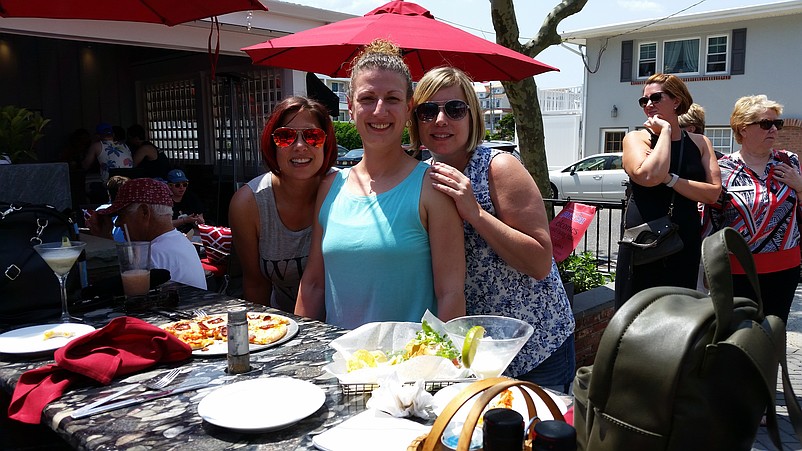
(509, 146)
(423, 155)
(341, 150)
(351, 158)
(597, 177)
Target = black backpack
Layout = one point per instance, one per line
(29, 290)
(679, 370)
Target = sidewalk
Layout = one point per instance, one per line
(794, 356)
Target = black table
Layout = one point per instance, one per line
(173, 422)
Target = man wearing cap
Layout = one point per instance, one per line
(109, 153)
(144, 207)
(187, 207)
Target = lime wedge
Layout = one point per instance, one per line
(65, 241)
(472, 339)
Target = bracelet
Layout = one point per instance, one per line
(673, 181)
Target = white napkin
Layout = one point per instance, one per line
(369, 431)
(401, 400)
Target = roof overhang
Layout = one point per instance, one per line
(237, 30)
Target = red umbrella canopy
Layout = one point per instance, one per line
(426, 43)
(168, 12)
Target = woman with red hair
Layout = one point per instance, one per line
(271, 217)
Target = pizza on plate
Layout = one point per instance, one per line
(200, 333)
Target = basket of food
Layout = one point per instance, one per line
(411, 351)
(485, 391)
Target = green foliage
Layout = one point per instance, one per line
(348, 136)
(583, 270)
(505, 130)
(20, 130)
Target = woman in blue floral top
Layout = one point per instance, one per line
(760, 200)
(510, 270)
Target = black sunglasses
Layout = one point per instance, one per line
(766, 124)
(180, 184)
(655, 97)
(428, 111)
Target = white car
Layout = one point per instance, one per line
(597, 177)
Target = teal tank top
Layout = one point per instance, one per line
(378, 262)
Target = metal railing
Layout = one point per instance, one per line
(601, 238)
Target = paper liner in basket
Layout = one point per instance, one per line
(388, 337)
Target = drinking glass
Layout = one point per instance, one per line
(502, 340)
(60, 258)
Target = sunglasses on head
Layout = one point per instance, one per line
(180, 184)
(766, 124)
(286, 136)
(454, 109)
(655, 97)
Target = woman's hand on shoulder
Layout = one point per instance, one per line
(457, 186)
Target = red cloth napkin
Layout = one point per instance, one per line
(126, 345)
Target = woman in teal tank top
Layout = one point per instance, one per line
(386, 246)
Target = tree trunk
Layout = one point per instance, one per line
(523, 94)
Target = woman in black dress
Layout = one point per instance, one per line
(652, 161)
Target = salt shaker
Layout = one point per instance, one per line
(503, 430)
(239, 354)
(553, 435)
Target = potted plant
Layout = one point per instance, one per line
(580, 273)
(20, 130)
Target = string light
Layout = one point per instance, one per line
(249, 18)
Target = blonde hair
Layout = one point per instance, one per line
(384, 55)
(444, 77)
(748, 110)
(694, 117)
(675, 88)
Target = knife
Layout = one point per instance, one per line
(83, 413)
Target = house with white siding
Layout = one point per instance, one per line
(721, 55)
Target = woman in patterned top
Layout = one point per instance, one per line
(510, 269)
(760, 200)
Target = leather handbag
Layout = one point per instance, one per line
(678, 370)
(653, 240)
(29, 290)
(658, 238)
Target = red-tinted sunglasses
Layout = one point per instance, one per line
(286, 136)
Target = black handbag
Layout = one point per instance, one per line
(658, 238)
(29, 290)
(653, 240)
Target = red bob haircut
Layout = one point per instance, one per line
(282, 114)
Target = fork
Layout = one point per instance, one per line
(200, 313)
(157, 384)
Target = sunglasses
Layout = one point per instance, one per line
(286, 136)
(428, 111)
(655, 97)
(766, 124)
(180, 184)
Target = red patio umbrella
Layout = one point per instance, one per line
(168, 12)
(426, 43)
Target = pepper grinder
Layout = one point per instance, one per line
(553, 435)
(239, 354)
(503, 430)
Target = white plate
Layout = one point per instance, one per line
(30, 340)
(261, 405)
(446, 394)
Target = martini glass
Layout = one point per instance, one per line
(502, 340)
(60, 258)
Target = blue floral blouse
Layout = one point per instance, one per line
(492, 287)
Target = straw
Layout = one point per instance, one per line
(130, 249)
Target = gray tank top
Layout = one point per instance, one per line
(283, 252)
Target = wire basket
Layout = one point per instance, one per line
(429, 386)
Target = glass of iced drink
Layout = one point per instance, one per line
(134, 257)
